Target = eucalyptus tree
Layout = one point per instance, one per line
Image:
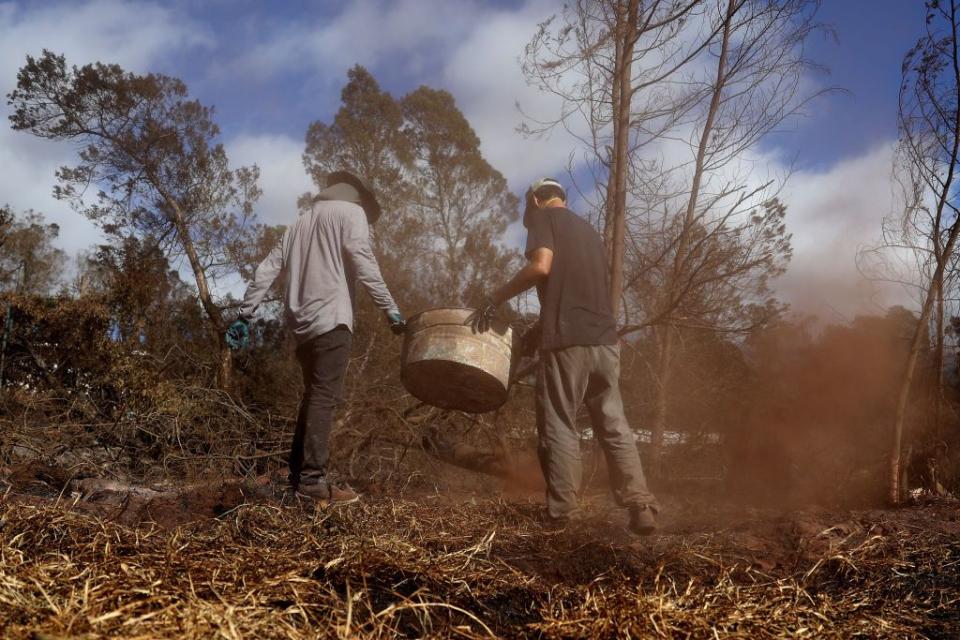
(446, 208)
(152, 156)
(463, 203)
(366, 136)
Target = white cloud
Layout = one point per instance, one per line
(282, 176)
(132, 34)
(484, 75)
(833, 214)
(474, 48)
(408, 32)
(468, 48)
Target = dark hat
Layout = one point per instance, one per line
(367, 199)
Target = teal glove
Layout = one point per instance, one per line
(397, 324)
(238, 335)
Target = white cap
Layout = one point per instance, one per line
(547, 182)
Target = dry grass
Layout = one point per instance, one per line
(431, 568)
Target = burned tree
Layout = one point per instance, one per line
(723, 237)
(29, 263)
(615, 65)
(929, 148)
(694, 239)
(152, 155)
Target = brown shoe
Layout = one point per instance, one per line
(643, 521)
(328, 493)
(559, 523)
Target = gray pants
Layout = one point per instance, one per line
(568, 378)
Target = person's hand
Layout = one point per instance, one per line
(238, 335)
(481, 319)
(397, 324)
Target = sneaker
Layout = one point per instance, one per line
(643, 520)
(559, 523)
(555, 524)
(328, 493)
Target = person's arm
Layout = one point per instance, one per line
(265, 275)
(539, 252)
(535, 271)
(356, 245)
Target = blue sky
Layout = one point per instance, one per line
(863, 56)
(272, 68)
(863, 61)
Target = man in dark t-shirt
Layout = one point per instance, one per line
(579, 356)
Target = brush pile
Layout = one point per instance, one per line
(270, 567)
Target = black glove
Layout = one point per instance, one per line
(397, 324)
(481, 319)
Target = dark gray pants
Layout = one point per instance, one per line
(568, 378)
(323, 361)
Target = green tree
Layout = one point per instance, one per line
(152, 154)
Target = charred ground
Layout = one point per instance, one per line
(238, 558)
(140, 502)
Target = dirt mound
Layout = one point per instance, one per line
(136, 505)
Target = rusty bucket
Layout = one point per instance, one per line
(447, 365)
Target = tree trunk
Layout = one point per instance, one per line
(224, 360)
(674, 284)
(938, 362)
(897, 472)
(661, 405)
(617, 185)
(224, 367)
(705, 135)
(898, 481)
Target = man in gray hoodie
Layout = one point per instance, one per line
(323, 254)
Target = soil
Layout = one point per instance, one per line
(490, 564)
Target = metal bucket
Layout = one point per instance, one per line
(447, 365)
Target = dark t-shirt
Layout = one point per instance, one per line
(575, 304)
